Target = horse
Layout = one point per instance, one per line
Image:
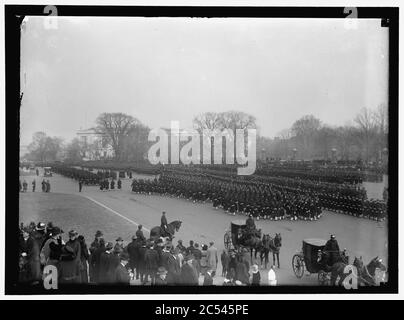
(367, 274)
(172, 227)
(337, 269)
(273, 245)
(253, 242)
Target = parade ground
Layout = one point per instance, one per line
(118, 213)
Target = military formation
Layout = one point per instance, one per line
(272, 198)
(86, 177)
(262, 201)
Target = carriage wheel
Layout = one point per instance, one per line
(227, 241)
(323, 278)
(298, 265)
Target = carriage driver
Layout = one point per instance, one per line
(163, 225)
(250, 223)
(331, 248)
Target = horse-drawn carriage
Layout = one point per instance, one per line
(233, 236)
(308, 258)
(313, 259)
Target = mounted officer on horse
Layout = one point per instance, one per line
(165, 229)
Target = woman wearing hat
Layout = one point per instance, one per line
(161, 279)
(68, 270)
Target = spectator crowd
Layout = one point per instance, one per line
(140, 262)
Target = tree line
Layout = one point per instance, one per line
(308, 138)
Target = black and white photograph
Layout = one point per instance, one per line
(197, 151)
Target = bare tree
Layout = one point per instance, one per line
(44, 148)
(116, 126)
(366, 124)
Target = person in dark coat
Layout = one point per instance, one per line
(189, 275)
(68, 270)
(225, 259)
(93, 247)
(173, 268)
(112, 184)
(33, 185)
(181, 247)
(190, 249)
(133, 250)
(242, 272)
(164, 257)
(198, 256)
(161, 277)
(164, 224)
(48, 186)
(208, 279)
(121, 274)
(119, 183)
(23, 262)
(84, 258)
(106, 261)
(331, 249)
(43, 183)
(119, 243)
(139, 233)
(96, 261)
(151, 263)
(80, 185)
(24, 186)
(34, 246)
(141, 264)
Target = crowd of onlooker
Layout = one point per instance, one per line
(140, 262)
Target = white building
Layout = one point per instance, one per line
(95, 144)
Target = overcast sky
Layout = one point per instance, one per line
(163, 69)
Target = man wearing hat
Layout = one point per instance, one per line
(164, 224)
(161, 278)
(331, 249)
(151, 262)
(121, 274)
(181, 247)
(132, 249)
(174, 268)
(119, 243)
(34, 245)
(139, 233)
(93, 247)
(106, 259)
(189, 275)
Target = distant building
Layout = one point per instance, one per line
(96, 144)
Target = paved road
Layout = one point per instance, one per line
(202, 223)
